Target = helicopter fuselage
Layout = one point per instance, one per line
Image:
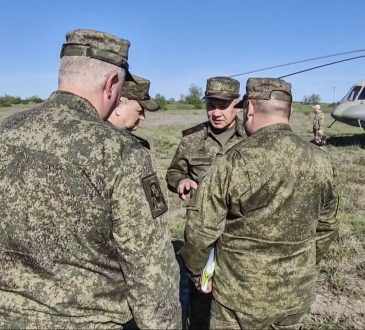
(351, 110)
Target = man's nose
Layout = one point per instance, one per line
(217, 112)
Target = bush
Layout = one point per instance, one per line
(34, 99)
(5, 104)
(7, 100)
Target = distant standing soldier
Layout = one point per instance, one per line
(82, 243)
(318, 126)
(198, 149)
(269, 206)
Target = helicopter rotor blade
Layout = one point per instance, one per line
(297, 62)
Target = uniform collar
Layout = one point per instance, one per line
(141, 141)
(73, 101)
(273, 128)
(239, 130)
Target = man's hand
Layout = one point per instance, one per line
(185, 186)
(208, 289)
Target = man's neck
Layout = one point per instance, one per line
(269, 122)
(93, 97)
(217, 131)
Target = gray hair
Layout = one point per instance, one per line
(85, 71)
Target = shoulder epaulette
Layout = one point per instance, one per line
(194, 129)
(143, 142)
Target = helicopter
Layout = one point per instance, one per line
(351, 110)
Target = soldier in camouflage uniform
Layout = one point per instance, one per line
(201, 144)
(318, 125)
(132, 104)
(83, 245)
(270, 207)
(198, 149)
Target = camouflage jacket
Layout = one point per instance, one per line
(318, 121)
(82, 238)
(196, 152)
(271, 216)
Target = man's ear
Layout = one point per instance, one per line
(112, 85)
(249, 110)
(291, 111)
(238, 105)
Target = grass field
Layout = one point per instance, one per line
(340, 302)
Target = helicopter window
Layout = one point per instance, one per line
(352, 94)
(362, 95)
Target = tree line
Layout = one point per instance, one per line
(8, 101)
(195, 94)
(194, 98)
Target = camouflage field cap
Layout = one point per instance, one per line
(224, 88)
(138, 91)
(268, 88)
(99, 45)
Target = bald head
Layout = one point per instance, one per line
(267, 102)
(272, 108)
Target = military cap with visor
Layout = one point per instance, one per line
(98, 45)
(138, 90)
(268, 88)
(224, 88)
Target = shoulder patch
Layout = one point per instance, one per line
(154, 195)
(194, 129)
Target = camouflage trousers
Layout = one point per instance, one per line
(225, 318)
(319, 137)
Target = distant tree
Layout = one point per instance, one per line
(194, 97)
(5, 104)
(7, 99)
(171, 100)
(312, 99)
(161, 101)
(315, 98)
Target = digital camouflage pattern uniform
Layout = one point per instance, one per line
(83, 245)
(199, 147)
(270, 207)
(197, 151)
(318, 125)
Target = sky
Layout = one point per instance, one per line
(179, 43)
